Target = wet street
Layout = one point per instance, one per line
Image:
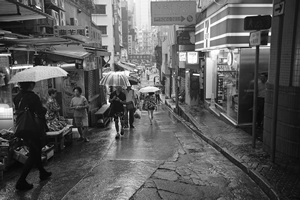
(163, 161)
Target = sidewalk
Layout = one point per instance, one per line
(278, 181)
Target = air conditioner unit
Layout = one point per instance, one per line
(62, 18)
(61, 4)
(25, 2)
(35, 4)
(56, 18)
(74, 21)
(55, 2)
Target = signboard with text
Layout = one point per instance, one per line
(192, 57)
(173, 13)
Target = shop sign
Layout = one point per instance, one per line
(71, 30)
(192, 57)
(173, 13)
(182, 56)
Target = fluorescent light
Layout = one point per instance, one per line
(196, 74)
(5, 54)
(21, 66)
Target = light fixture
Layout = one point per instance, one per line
(21, 66)
(5, 54)
(195, 74)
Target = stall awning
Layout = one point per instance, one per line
(126, 67)
(12, 10)
(99, 51)
(71, 54)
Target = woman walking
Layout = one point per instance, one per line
(79, 104)
(27, 98)
(150, 105)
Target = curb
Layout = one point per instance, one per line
(268, 189)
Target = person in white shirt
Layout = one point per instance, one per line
(131, 103)
(261, 83)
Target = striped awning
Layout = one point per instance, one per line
(225, 27)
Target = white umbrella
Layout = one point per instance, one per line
(149, 89)
(115, 79)
(38, 73)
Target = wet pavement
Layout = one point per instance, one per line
(164, 161)
(279, 181)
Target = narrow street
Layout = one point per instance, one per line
(163, 161)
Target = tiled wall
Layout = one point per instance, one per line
(296, 67)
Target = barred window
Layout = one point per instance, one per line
(100, 9)
(103, 29)
(296, 68)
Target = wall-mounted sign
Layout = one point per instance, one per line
(192, 57)
(173, 12)
(71, 30)
(182, 56)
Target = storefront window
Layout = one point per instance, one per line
(6, 104)
(226, 87)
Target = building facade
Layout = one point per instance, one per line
(103, 18)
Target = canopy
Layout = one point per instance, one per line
(12, 10)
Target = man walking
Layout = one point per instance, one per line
(131, 102)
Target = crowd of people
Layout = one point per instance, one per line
(124, 103)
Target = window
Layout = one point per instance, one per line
(104, 47)
(103, 29)
(100, 9)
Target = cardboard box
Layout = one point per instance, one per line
(49, 153)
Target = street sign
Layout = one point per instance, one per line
(182, 56)
(254, 39)
(257, 22)
(278, 9)
(173, 13)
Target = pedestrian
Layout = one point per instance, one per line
(117, 100)
(157, 97)
(150, 105)
(27, 98)
(131, 103)
(80, 104)
(261, 84)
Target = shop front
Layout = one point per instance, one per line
(229, 61)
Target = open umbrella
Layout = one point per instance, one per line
(115, 79)
(38, 73)
(149, 89)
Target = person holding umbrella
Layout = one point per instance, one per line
(118, 99)
(79, 104)
(27, 98)
(150, 105)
